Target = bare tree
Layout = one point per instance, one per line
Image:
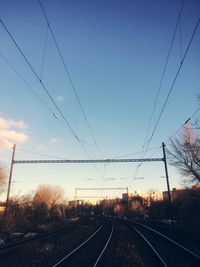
(185, 155)
(3, 176)
(49, 194)
(19, 212)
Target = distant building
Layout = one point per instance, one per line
(178, 193)
(74, 203)
(109, 202)
(125, 196)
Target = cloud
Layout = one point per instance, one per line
(10, 132)
(60, 98)
(19, 124)
(5, 144)
(13, 136)
(54, 140)
(7, 124)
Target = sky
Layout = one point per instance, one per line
(115, 53)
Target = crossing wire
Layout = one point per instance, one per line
(40, 154)
(163, 73)
(46, 90)
(193, 114)
(44, 53)
(174, 81)
(27, 84)
(38, 78)
(69, 77)
(159, 88)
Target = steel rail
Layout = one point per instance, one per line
(149, 244)
(77, 248)
(170, 240)
(6, 248)
(106, 245)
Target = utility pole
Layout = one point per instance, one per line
(76, 206)
(166, 173)
(10, 179)
(127, 198)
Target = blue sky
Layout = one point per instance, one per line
(115, 52)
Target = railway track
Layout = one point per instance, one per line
(167, 251)
(90, 252)
(114, 242)
(161, 250)
(40, 237)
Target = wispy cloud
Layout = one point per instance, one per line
(4, 144)
(60, 98)
(13, 136)
(54, 140)
(7, 124)
(11, 132)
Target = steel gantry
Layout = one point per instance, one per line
(85, 161)
(97, 189)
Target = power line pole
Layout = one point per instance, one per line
(166, 173)
(127, 197)
(10, 179)
(76, 204)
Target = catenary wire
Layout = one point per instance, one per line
(37, 96)
(40, 154)
(27, 84)
(45, 89)
(174, 81)
(180, 38)
(137, 168)
(193, 114)
(47, 92)
(48, 180)
(44, 53)
(136, 153)
(163, 72)
(38, 78)
(69, 77)
(159, 87)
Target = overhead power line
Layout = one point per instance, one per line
(27, 84)
(44, 88)
(163, 73)
(159, 89)
(139, 152)
(174, 81)
(48, 94)
(44, 53)
(140, 164)
(193, 114)
(69, 77)
(38, 78)
(40, 154)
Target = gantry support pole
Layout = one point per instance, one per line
(166, 173)
(10, 180)
(127, 198)
(76, 206)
